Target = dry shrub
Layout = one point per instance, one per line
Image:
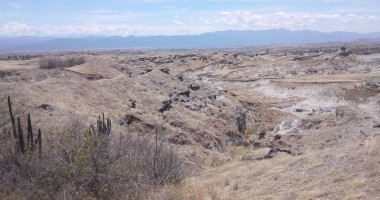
(52, 63)
(77, 164)
(361, 93)
(5, 73)
(180, 192)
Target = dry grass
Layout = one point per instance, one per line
(182, 192)
(239, 151)
(288, 177)
(77, 163)
(360, 93)
(338, 159)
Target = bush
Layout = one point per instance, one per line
(79, 164)
(84, 163)
(53, 63)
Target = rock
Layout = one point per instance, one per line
(46, 107)
(256, 144)
(180, 78)
(194, 87)
(212, 97)
(262, 135)
(133, 103)
(257, 154)
(145, 71)
(277, 137)
(165, 70)
(166, 106)
(185, 93)
(128, 119)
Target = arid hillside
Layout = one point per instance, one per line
(291, 122)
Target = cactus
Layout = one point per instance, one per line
(103, 127)
(39, 141)
(99, 124)
(18, 134)
(21, 136)
(30, 134)
(108, 125)
(241, 122)
(13, 121)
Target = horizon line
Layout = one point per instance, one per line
(161, 35)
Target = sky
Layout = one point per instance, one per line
(77, 18)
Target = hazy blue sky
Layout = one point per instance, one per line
(179, 17)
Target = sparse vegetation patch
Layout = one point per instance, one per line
(52, 63)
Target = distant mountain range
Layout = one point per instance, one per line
(206, 40)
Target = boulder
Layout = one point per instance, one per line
(165, 70)
(166, 106)
(194, 87)
(128, 119)
(46, 107)
(257, 154)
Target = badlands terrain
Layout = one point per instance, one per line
(288, 122)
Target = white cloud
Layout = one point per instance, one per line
(178, 28)
(293, 21)
(226, 20)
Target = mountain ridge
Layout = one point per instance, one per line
(229, 38)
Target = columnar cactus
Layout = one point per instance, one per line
(21, 136)
(103, 127)
(13, 121)
(108, 125)
(39, 141)
(18, 134)
(241, 122)
(30, 134)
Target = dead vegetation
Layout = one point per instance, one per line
(361, 93)
(81, 163)
(52, 63)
